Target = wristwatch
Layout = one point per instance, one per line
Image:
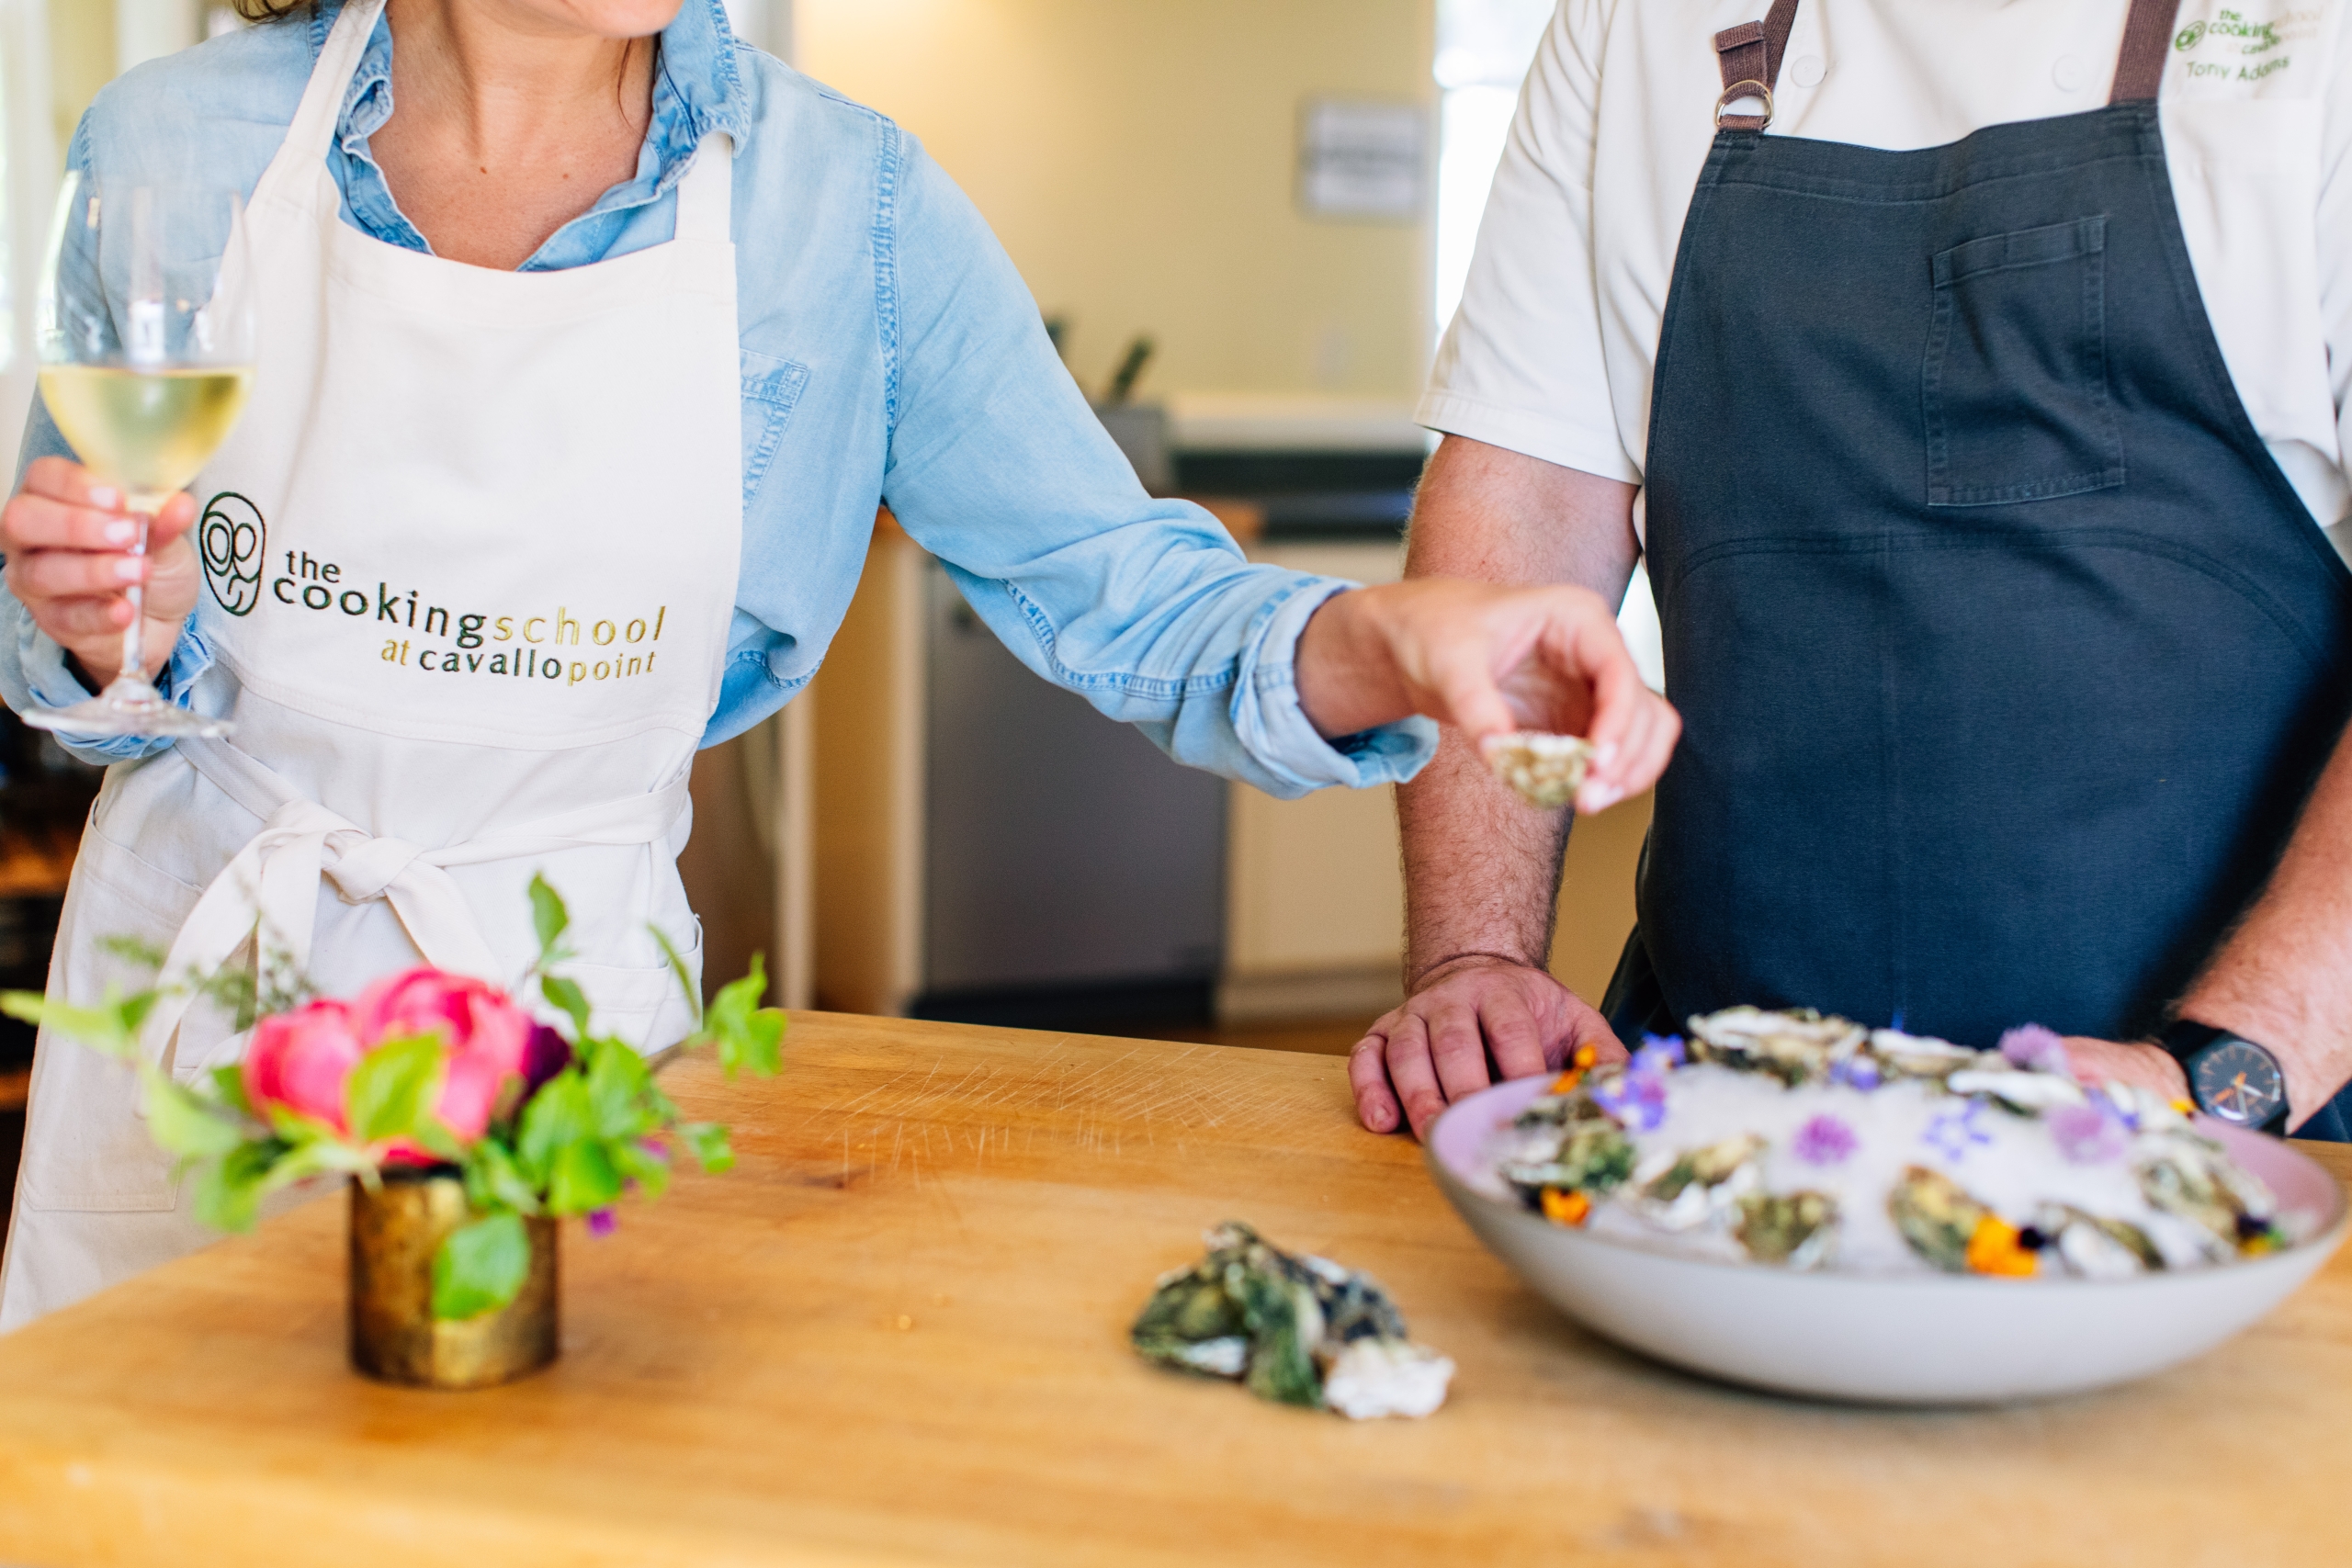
(2230, 1077)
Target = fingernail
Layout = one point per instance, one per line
(121, 532)
(1604, 753)
(129, 570)
(1598, 797)
(106, 498)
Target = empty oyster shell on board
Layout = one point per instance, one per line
(1546, 770)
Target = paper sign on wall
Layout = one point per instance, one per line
(1363, 159)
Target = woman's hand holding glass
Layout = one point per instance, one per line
(71, 539)
(1489, 660)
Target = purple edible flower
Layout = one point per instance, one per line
(2090, 1134)
(1954, 1132)
(1667, 1047)
(1637, 1099)
(1825, 1140)
(1856, 1072)
(544, 1055)
(602, 1223)
(2037, 1050)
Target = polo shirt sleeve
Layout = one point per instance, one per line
(1521, 367)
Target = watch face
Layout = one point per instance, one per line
(2237, 1082)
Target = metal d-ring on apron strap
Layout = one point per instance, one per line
(2007, 653)
(278, 874)
(1750, 56)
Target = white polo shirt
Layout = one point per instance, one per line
(1551, 352)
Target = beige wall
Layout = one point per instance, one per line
(1137, 157)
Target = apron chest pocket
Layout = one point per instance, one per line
(2015, 389)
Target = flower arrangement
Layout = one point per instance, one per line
(427, 1069)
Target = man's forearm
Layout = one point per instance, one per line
(2284, 979)
(1481, 867)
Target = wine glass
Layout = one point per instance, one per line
(145, 328)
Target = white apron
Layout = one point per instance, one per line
(471, 562)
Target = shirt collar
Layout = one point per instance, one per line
(696, 90)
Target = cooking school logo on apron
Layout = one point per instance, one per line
(400, 626)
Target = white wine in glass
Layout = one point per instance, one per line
(146, 339)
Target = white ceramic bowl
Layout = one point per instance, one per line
(1906, 1339)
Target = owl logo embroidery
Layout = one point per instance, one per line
(233, 541)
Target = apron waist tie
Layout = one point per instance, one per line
(276, 876)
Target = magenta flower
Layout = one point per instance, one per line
(1825, 1140)
(2090, 1134)
(2037, 1049)
(602, 1223)
(545, 1055)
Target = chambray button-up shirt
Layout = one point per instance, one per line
(890, 353)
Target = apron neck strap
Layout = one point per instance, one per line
(706, 195)
(2139, 68)
(1750, 57)
(312, 132)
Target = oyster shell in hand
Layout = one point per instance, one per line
(1546, 770)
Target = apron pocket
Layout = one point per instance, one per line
(86, 1147)
(644, 1007)
(2015, 390)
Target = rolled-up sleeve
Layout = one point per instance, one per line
(1144, 606)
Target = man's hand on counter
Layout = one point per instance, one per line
(68, 539)
(1471, 1020)
(1488, 660)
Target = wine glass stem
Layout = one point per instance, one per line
(134, 636)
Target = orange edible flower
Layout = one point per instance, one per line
(1566, 1082)
(1564, 1208)
(1587, 1054)
(1993, 1248)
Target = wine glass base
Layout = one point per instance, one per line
(127, 707)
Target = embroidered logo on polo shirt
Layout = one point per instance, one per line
(2243, 47)
(233, 541)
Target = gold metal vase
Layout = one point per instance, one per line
(395, 1231)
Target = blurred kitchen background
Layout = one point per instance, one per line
(1247, 224)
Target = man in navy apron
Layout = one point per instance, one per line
(2010, 655)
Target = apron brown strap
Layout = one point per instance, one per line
(2147, 38)
(1750, 56)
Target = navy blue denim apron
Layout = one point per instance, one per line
(2007, 654)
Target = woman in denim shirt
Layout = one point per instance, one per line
(542, 488)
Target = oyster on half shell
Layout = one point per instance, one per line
(1546, 770)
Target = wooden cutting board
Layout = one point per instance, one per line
(895, 1333)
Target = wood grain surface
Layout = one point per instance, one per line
(895, 1333)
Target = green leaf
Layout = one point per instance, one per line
(686, 986)
(550, 919)
(706, 1141)
(392, 1090)
(617, 1084)
(495, 1181)
(184, 1122)
(228, 1193)
(479, 1267)
(557, 1117)
(563, 994)
(583, 1178)
(111, 1028)
(228, 1088)
(639, 1163)
(748, 1035)
(134, 950)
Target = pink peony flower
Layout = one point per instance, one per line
(301, 1059)
(487, 1038)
